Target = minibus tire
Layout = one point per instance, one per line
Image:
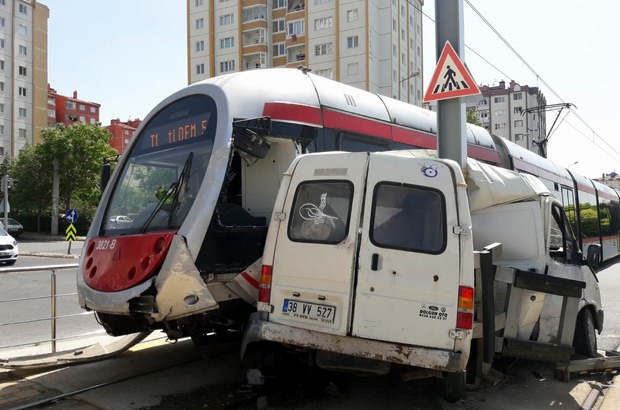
(453, 386)
(584, 340)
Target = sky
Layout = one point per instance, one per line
(128, 55)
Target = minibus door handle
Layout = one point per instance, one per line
(375, 261)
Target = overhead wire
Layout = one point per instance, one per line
(538, 76)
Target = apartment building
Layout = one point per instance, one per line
(122, 131)
(507, 111)
(611, 180)
(375, 45)
(23, 74)
(62, 109)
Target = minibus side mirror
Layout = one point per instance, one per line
(594, 255)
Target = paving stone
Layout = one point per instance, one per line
(8, 390)
(27, 393)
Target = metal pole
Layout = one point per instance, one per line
(55, 194)
(69, 250)
(5, 186)
(53, 298)
(451, 131)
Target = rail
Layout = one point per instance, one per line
(53, 296)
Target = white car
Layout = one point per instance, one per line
(8, 248)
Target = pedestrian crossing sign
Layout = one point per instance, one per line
(450, 79)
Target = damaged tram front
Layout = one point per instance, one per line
(197, 187)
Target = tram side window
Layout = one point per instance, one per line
(605, 216)
(358, 143)
(568, 200)
(589, 216)
(614, 211)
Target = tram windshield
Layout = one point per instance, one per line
(164, 169)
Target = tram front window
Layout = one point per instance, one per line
(164, 169)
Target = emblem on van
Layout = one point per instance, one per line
(429, 170)
(433, 308)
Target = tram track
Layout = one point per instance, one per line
(63, 396)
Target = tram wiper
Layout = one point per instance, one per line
(181, 187)
(175, 188)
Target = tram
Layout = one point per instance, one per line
(200, 178)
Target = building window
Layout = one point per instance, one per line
(82, 107)
(93, 109)
(2, 21)
(23, 51)
(1, 64)
(1, 108)
(22, 70)
(518, 123)
(278, 4)
(200, 68)
(71, 105)
(402, 33)
(279, 50)
(320, 24)
(296, 28)
(254, 13)
(322, 49)
(353, 69)
(22, 113)
(394, 25)
(500, 126)
(22, 91)
(82, 118)
(394, 50)
(2, 148)
(499, 99)
(402, 9)
(403, 60)
(278, 26)
(23, 9)
(327, 73)
(322, 1)
(352, 15)
(227, 42)
(51, 113)
(411, 43)
(22, 133)
(2, 3)
(482, 102)
(227, 19)
(418, 51)
(352, 42)
(517, 110)
(200, 3)
(200, 23)
(226, 66)
(1, 129)
(1, 43)
(1, 85)
(500, 112)
(394, 76)
(200, 46)
(517, 96)
(518, 137)
(22, 29)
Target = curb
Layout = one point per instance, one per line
(50, 255)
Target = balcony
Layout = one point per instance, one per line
(255, 61)
(295, 6)
(254, 13)
(296, 54)
(254, 37)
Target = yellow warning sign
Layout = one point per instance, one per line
(71, 233)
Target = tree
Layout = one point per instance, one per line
(32, 194)
(80, 148)
(472, 117)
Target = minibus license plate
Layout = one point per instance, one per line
(310, 311)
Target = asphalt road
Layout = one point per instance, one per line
(609, 279)
(51, 247)
(21, 285)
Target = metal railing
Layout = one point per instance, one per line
(53, 296)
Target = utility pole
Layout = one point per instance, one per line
(451, 131)
(55, 194)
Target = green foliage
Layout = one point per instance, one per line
(472, 117)
(80, 149)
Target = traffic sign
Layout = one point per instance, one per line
(450, 79)
(70, 233)
(71, 216)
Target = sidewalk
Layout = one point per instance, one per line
(49, 250)
(46, 237)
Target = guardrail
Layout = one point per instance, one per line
(53, 296)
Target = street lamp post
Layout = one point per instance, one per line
(574, 163)
(405, 79)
